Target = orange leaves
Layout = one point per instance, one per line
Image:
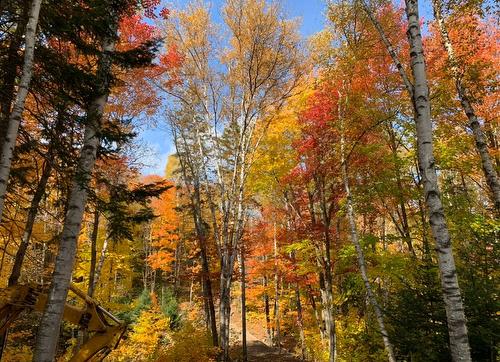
(164, 235)
(161, 260)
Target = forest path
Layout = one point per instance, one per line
(258, 350)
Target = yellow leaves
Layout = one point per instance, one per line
(189, 344)
(196, 21)
(144, 341)
(320, 47)
(276, 155)
(18, 354)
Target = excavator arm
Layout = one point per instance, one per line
(106, 330)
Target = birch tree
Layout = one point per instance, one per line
(457, 324)
(464, 95)
(16, 113)
(421, 103)
(48, 335)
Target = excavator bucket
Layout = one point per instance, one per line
(104, 328)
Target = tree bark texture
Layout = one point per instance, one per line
(17, 111)
(457, 325)
(48, 332)
(464, 96)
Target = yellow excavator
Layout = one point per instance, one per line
(105, 330)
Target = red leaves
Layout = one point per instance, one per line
(165, 13)
(171, 63)
(134, 32)
(173, 58)
(149, 7)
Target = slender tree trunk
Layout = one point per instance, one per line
(463, 94)
(326, 264)
(243, 306)
(93, 253)
(35, 201)
(207, 288)
(405, 227)
(276, 310)
(267, 310)
(300, 321)
(361, 261)
(177, 268)
(10, 71)
(48, 333)
(30, 222)
(225, 308)
(317, 318)
(457, 325)
(328, 317)
(100, 264)
(207, 285)
(205, 305)
(201, 233)
(18, 108)
(355, 239)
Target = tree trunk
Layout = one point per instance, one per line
(355, 239)
(463, 94)
(18, 108)
(457, 325)
(93, 253)
(10, 73)
(207, 285)
(266, 311)
(201, 234)
(362, 264)
(225, 309)
(405, 227)
(37, 198)
(100, 264)
(326, 264)
(208, 295)
(317, 318)
(243, 307)
(276, 310)
(48, 332)
(30, 222)
(328, 317)
(300, 322)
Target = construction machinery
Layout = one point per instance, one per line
(104, 330)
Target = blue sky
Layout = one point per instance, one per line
(310, 12)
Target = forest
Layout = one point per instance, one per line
(330, 197)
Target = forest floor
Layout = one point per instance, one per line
(259, 350)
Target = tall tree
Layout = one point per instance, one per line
(110, 13)
(457, 324)
(47, 337)
(17, 109)
(421, 103)
(464, 95)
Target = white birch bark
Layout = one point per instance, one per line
(419, 91)
(457, 325)
(19, 102)
(100, 264)
(48, 332)
(463, 94)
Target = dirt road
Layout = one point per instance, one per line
(258, 349)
